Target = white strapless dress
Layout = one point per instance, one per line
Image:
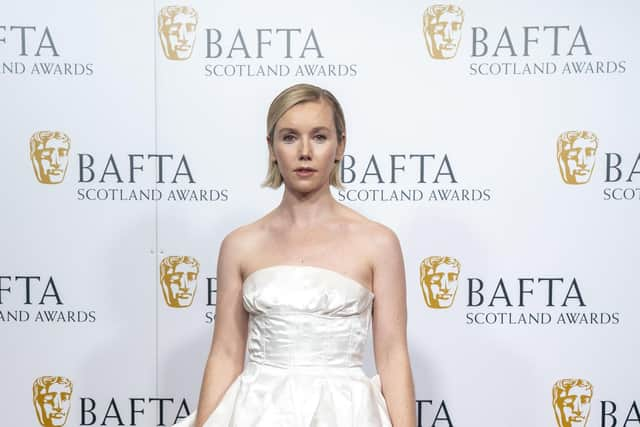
(308, 327)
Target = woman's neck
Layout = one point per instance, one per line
(302, 210)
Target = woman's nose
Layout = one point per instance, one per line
(305, 147)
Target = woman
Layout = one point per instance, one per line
(297, 288)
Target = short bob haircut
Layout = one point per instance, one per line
(286, 99)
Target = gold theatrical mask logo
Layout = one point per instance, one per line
(179, 279)
(576, 154)
(52, 400)
(439, 280)
(49, 153)
(177, 29)
(442, 28)
(572, 402)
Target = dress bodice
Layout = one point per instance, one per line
(306, 316)
(307, 330)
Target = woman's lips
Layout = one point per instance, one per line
(305, 171)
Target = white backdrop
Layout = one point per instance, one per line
(97, 72)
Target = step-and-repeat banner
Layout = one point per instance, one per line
(499, 140)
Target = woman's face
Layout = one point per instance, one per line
(305, 137)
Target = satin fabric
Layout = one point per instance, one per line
(308, 327)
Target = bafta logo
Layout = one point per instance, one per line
(576, 153)
(49, 153)
(52, 400)
(439, 280)
(572, 402)
(442, 28)
(179, 278)
(177, 29)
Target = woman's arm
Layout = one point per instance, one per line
(226, 357)
(390, 328)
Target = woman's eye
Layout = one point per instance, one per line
(321, 137)
(288, 138)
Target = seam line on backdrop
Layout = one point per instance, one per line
(155, 148)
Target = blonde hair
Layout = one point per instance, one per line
(288, 98)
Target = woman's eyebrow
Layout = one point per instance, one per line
(315, 129)
(287, 130)
(324, 128)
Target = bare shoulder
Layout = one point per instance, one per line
(234, 240)
(240, 240)
(379, 245)
(384, 242)
(376, 239)
(242, 243)
(368, 228)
